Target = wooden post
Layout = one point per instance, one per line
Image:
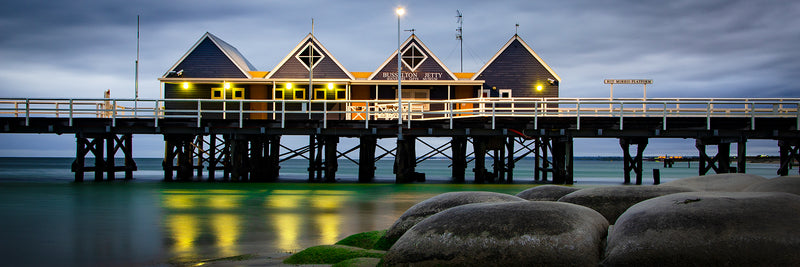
(458, 146)
(274, 158)
(366, 161)
(80, 157)
(479, 146)
(111, 141)
(405, 160)
(511, 161)
(633, 163)
(311, 158)
(127, 149)
(99, 163)
(331, 158)
(212, 157)
(741, 155)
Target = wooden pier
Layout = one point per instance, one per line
(500, 132)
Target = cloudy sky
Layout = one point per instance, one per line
(690, 48)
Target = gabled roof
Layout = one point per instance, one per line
(327, 67)
(527, 47)
(216, 46)
(412, 40)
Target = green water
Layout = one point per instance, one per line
(150, 223)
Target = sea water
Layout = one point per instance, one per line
(48, 220)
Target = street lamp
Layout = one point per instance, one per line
(400, 11)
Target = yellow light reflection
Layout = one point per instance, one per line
(224, 201)
(328, 202)
(227, 230)
(285, 201)
(287, 226)
(179, 201)
(328, 225)
(538, 87)
(184, 231)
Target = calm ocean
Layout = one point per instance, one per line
(50, 221)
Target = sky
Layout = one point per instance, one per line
(690, 48)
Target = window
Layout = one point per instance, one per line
(310, 54)
(486, 93)
(237, 93)
(505, 93)
(216, 93)
(299, 94)
(278, 93)
(319, 94)
(341, 94)
(413, 57)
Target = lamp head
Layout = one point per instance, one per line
(400, 11)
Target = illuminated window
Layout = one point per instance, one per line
(237, 93)
(299, 94)
(310, 54)
(216, 93)
(319, 94)
(413, 57)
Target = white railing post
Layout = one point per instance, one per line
(324, 115)
(493, 112)
(578, 113)
(752, 117)
(156, 112)
(27, 111)
(283, 114)
(199, 112)
(536, 115)
(708, 115)
(451, 114)
(241, 113)
(664, 117)
(71, 108)
(621, 114)
(113, 113)
(366, 118)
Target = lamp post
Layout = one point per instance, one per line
(400, 11)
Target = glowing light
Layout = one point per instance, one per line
(185, 85)
(539, 87)
(225, 201)
(179, 201)
(330, 85)
(400, 11)
(227, 85)
(289, 86)
(285, 201)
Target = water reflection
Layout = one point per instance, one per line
(204, 223)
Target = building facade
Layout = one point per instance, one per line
(309, 74)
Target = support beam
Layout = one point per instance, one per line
(406, 161)
(458, 146)
(331, 159)
(366, 158)
(633, 163)
(479, 146)
(720, 162)
(790, 155)
(562, 160)
(741, 155)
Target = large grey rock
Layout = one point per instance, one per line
(530, 233)
(726, 182)
(614, 200)
(439, 203)
(787, 184)
(546, 192)
(708, 229)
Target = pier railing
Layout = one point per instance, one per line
(367, 111)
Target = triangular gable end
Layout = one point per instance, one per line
(325, 65)
(415, 66)
(503, 49)
(210, 57)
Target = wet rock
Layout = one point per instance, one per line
(546, 192)
(614, 200)
(529, 233)
(708, 229)
(787, 184)
(726, 182)
(439, 203)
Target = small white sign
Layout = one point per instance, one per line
(628, 81)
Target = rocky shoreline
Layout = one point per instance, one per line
(724, 219)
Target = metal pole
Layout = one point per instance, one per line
(136, 82)
(399, 82)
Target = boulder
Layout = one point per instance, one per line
(439, 203)
(546, 192)
(529, 233)
(787, 184)
(612, 201)
(708, 229)
(725, 182)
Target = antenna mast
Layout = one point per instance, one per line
(460, 35)
(136, 78)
